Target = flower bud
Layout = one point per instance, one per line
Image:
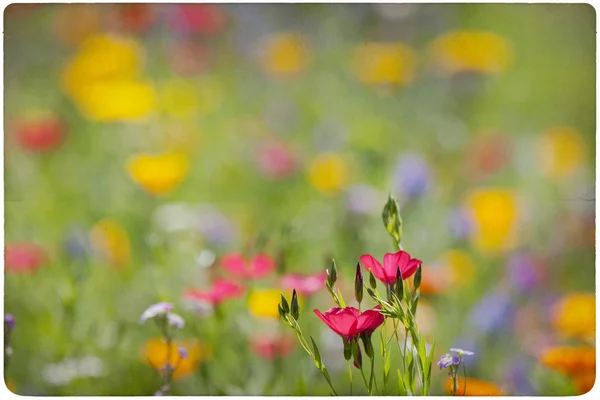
(417, 278)
(392, 220)
(356, 353)
(358, 284)
(372, 280)
(399, 284)
(284, 305)
(347, 350)
(368, 345)
(295, 308)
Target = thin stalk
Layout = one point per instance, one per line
(365, 380)
(350, 376)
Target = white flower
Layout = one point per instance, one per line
(175, 320)
(462, 352)
(156, 309)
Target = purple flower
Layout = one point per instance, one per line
(524, 272)
(76, 244)
(411, 176)
(492, 312)
(447, 360)
(9, 320)
(175, 320)
(183, 353)
(462, 352)
(460, 224)
(156, 309)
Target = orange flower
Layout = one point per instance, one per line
(570, 360)
(584, 382)
(574, 316)
(475, 387)
(155, 352)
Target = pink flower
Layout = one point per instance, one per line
(204, 19)
(304, 284)
(259, 266)
(221, 290)
(270, 347)
(41, 134)
(350, 323)
(391, 262)
(276, 160)
(23, 257)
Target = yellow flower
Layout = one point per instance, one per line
(263, 302)
(495, 212)
(328, 173)
(385, 63)
(73, 23)
(103, 79)
(574, 316)
(285, 54)
(562, 152)
(158, 174)
(477, 51)
(108, 238)
(461, 264)
(570, 360)
(474, 387)
(156, 351)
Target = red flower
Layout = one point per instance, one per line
(276, 160)
(304, 284)
(205, 19)
(40, 135)
(134, 18)
(391, 262)
(23, 257)
(270, 347)
(259, 266)
(350, 323)
(221, 290)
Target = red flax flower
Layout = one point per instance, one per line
(391, 262)
(221, 290)
(259, 266)
(351, 323)
(304, 284)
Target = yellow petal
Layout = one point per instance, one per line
(158, 174)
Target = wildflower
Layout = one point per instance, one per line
(474, 387)
(9, 321)
(134, 18)
(110, 240)
(328, 173)
(385, 63)
(158, 353)
(362, 199)
(447, 360)
(491, 312)
(391, 262)
(202, 19)
(349, 322)
(220, 291)
(584, 382)
(155, 310)
(76, 244)
(263, 302)
(276, 160)
(175, 320)
(285, 54)
(182, 351)
(574, 316)
(561, 152)
(270, 347)
(525, 271)
(411, 176)
(305, 285)
(570, 360)
(486, 155)
(462, 352)
(40, 133)
(158, 174)
(436, 279)
(461, 266)
(257, 267)
(471, 51)
(73, 23)
(21, 258)
(495, 212)
(460, 224)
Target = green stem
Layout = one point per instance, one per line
(365, 380)
(372, 377)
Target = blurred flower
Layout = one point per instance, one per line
(73, 368)
(486, 155)
(20, 258)
(328, 173)
(584, 382)
(270, 347)
(156, 351)
(176, 217)
(263, 302)
(215, 227)
(76, 243)
(154, 310)
(517, 377)
(73, 23)
(179, 98)
(351, 323)
(462, 352)
(574, 316)
(133, 18)
(411, 176)
(570, 360)
(158, 174)
(495, 212)
(110, 240)
(9, 321)
(40, 133)
(471, 51)
(525, 271)
(447, 360)
(175, 320)
(183, 353)
(284, 54)
(561, 152)
(203, 19)
(276, 160)
(363, 199)
(474, 387)
(460, 223)
(220, 291)
(103, 79)
(461, 266)
(259, 266)
(385, 63)
(189, 57)
(436, 279)
(492, 312)
(391, 263)
(304, 284)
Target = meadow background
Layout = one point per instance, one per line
(145, 143)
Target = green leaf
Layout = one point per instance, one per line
(430, 360)
(341, 299)
(386, 368)
(317, 355)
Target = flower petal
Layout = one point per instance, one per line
(261, 265)
(371, 264)
(235, 264)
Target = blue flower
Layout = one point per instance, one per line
(524, 272)
(491, 313)
(459, 223)
(447, 360)
(411, 176)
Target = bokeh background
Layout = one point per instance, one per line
(145, 144)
